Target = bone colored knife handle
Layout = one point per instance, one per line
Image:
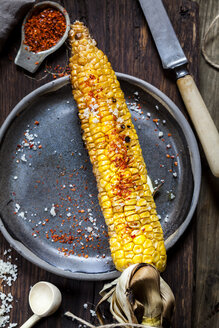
(202, 121)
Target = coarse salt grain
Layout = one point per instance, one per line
(8, 273)
(120, 120)
(22, 215)
(93, 313)
(95, 120)
(17, 207)
(52, 211)
(23, 158)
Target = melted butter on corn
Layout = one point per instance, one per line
(125, 197)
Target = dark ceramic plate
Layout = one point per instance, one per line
(48, 203)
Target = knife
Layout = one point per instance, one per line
(173, 58)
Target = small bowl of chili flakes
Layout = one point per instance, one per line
(44, 29)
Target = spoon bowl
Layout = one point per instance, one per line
(29, 60)
(44, 299)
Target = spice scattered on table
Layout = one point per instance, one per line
(44, 29)
(8, 274)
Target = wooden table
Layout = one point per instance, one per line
(122, 33)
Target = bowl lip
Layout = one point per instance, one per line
(61, 40)
(195, 163)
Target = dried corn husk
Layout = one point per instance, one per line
(139, 295)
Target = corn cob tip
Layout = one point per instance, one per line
(79, 31)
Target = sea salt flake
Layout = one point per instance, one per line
(120, 120)
(166, 219)
(93, 313)
(22, 215)
(17, 207)
(95, 120)
(52, 211)
(23, 158)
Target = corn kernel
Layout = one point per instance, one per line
(139, 240)
(128, 246)
(137, 259)
(115, 246)
(149, 251)
(119, 254)
(147, 259)
(138, 249)
(129, 254)
(121, 264)
(147, 244)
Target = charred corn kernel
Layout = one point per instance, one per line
(135, 233)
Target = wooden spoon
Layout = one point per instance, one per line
(44, 299)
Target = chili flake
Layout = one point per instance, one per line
(44, 29)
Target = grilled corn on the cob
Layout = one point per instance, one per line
(128, 207)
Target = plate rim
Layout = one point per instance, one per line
(194, 158)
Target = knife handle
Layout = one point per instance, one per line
(202, 121)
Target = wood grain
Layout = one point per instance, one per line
(122, 33)
(206, 295)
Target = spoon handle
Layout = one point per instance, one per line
(31, 321)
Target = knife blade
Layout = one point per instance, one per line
(166, 41)
(173, 57)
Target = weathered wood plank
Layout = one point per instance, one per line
(206, 294)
